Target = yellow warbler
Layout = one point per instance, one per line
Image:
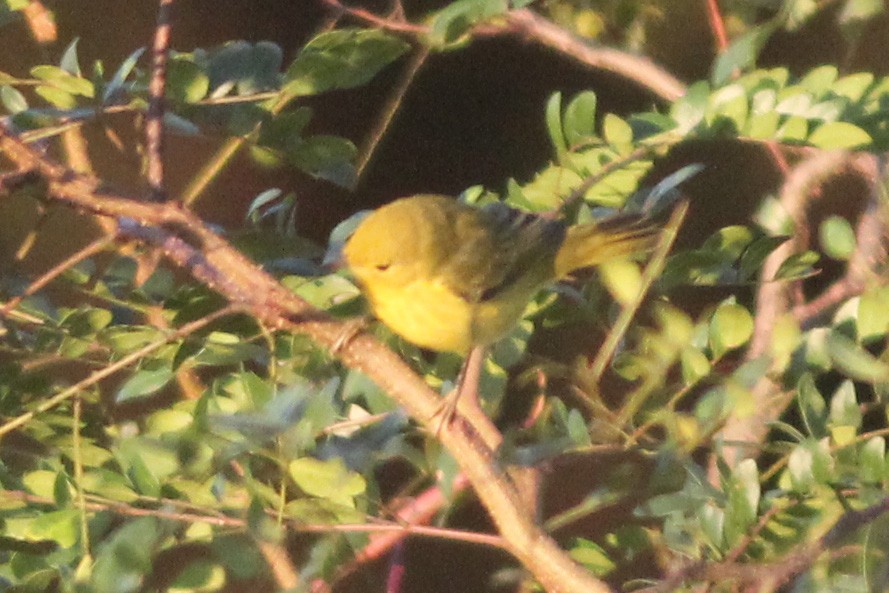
(448, 276)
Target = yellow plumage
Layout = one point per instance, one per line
(448, 276)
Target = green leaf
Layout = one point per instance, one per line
(56, 97)
(819, 80)
(743, 501)
(124, 561)
(577, 429)
(329, 479)
(120, 76)
(64, 81)
(326, 157)
(845, 414)
(794, 129)
(69, 62)
(872, 460)
(712, 520)
(554, 124)
(13, 101)
(593, 557)
(730, 104)
(837, 237)
(854, 86)
(458, 17)
(580, 118)
(695, 365)
(550, 187)
(186, 81)
(341, 59)
(198, 577)
(839, 134)
(812, 407)
(800, 466)
(763, 126)
(691, 108)
(623, 279)
(84, 323)
(41, 482)
(617, 132)
(873, 314)
(731, 241)
(109, 484)
(730, 327)
(756, 253)
(247, 68)
(62, 527)
(742, 53)
(797, 266)
(124, 339)
(855, 362)
(144, 383)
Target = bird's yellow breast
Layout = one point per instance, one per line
(427, 313)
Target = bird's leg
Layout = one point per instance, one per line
(351, 328)
(465, 394)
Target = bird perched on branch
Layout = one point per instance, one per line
(451, 277)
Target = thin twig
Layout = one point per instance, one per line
(652, 271)
(96, 504)
(79, 494)
(109, 370)
(389, 110)
(283, 570)
(534, 28)
(639, 69)
(57, 270)
(154, 117)
(717, 25)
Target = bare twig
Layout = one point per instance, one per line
(536, 29)
(396, 24)
(283, 570)
(390, 109)
(96, 504)
(717, 25)
(639, 69)
(40, 22)
(154, 117)
(652, 271)
(69, 262)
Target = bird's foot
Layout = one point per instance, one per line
(351, 328)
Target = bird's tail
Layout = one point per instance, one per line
(591, 244)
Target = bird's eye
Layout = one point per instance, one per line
(382, 267)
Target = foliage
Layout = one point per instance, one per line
(205, 445)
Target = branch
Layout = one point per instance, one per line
(192, 245)
(536, 29)
(154, 118)
(639, 69)
(742, 435)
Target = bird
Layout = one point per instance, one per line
(452, 277)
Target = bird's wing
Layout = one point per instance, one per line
(498, 247)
